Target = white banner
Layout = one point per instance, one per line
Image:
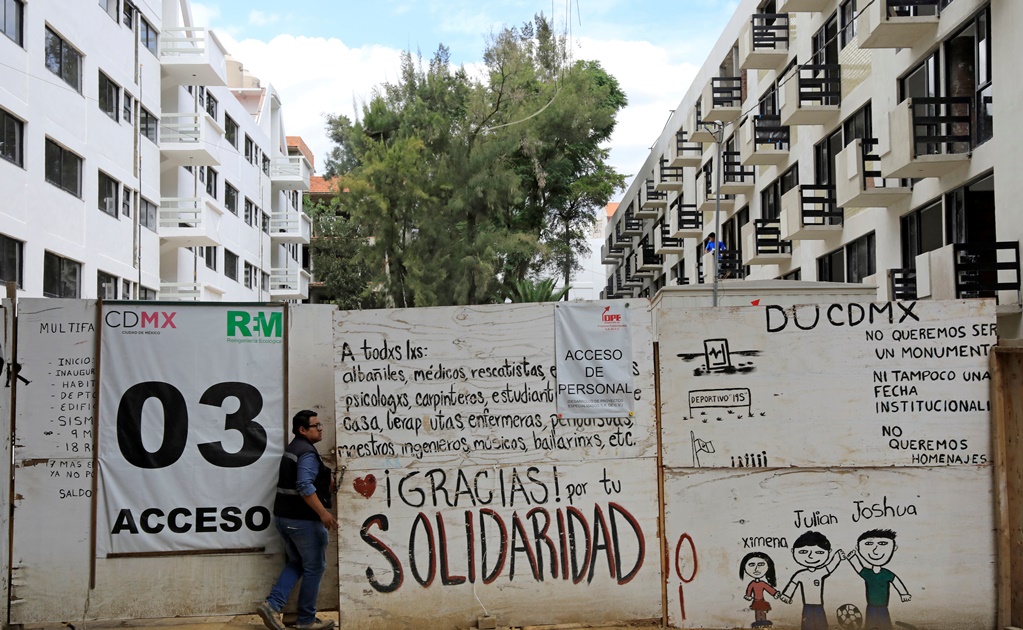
(593, 355)
(191, 427)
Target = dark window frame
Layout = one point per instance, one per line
(12, 132)
(56, 282)
(13, 249)
(107, 90)
(13, 26)
(70, 73)
(64, 156)
(105, 203)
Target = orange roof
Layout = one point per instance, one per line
(611, 208)
(297, 142)
(319, 185)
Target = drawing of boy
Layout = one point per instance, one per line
(760, 568)
(812, 550)
(874, 549)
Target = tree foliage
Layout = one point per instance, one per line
(534, 291)
(469, 184)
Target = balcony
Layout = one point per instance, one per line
(190, 292)
(669, 179)
(808, 212)
(764, 141)
(188, 222)
(290, 227)
(736, 178)
(664, 242)
(902, 284)
(724, 94)
(860, 185)
(897, 23)
(813, 96)
(706, 200)
(764, 42)
(611, 253)
(622, 241)
(631, 224)
(763, 244)
(186, 140)
(629, 278)
(804, 6)
(685, 220)
(729, 265)
(970, 270)
(289, 284)
(685, 153)
(648, 260)
(192, 56)
(652, 201)
(700, 132)
(930, 137)
(289, 173)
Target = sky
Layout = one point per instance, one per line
(326, 57)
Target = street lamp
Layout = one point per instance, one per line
(716, 128)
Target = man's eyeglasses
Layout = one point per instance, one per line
(317, 426)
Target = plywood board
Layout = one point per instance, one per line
(896, 384)
(529, 544)
(443, 386)
(942, 519)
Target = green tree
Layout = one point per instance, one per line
(534, 291)
(337, 260)
(468, 185)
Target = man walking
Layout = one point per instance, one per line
(302, 511)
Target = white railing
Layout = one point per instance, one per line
(183, 40)
(286, 280)
(292, 166)
(175, 211)
(286, 222)
(182, 128)
(180, 291)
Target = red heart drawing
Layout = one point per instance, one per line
(365, 486)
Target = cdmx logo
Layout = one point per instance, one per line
(140, 319)
(264, 324)
(607, 317)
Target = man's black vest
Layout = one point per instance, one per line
(289, 503)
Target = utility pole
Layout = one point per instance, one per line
(716, 129)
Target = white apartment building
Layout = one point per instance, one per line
(140, 161)
(855, 141)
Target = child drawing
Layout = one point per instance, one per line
(760, 568)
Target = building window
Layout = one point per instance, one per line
(266, 165)
(109, 96)
(147, 35)
(860, 259)
(148, 213)
(264, 281)
(250, 150)
(148, 124)
(231, 265)
(12, 131)
(210, 255)
(63, 60)
(126, 201)
(106, 286)
(250, 211)
(968, 69)
(793, 275)
(147, 294)
(63, 168)
(231, 198)
(11, 252)
(266, 223)
(847, 13)
(126, 287)
(129, 105)
(110, 7)
(211, 182)
(128, 14)
(249, 276)
(11, 12)
(108, 188)
(212, 106)
(921, 231)
(231, 131)
(61, 277)
(831, 267)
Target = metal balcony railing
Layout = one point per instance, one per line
(648, 256)
(730, 264)
(768, 131)
(870, 172)
(942, 125)
(768, 237)
(913, 8)
(820, 84)
(689, 216)
(734, 172)
(726, 92)
(672, 174)
(770, 31)
(686, 150)
(180, 128)
(666, 239)
(902, 284)
(183, 212)
(984, 269)
(818, 205)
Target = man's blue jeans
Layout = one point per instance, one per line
(306, 544)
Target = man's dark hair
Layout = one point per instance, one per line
(301, 420)
(876, 533)
(812, 539)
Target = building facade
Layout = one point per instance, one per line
(140, 161)
(843, 141)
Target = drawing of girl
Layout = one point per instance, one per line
(760, 568)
